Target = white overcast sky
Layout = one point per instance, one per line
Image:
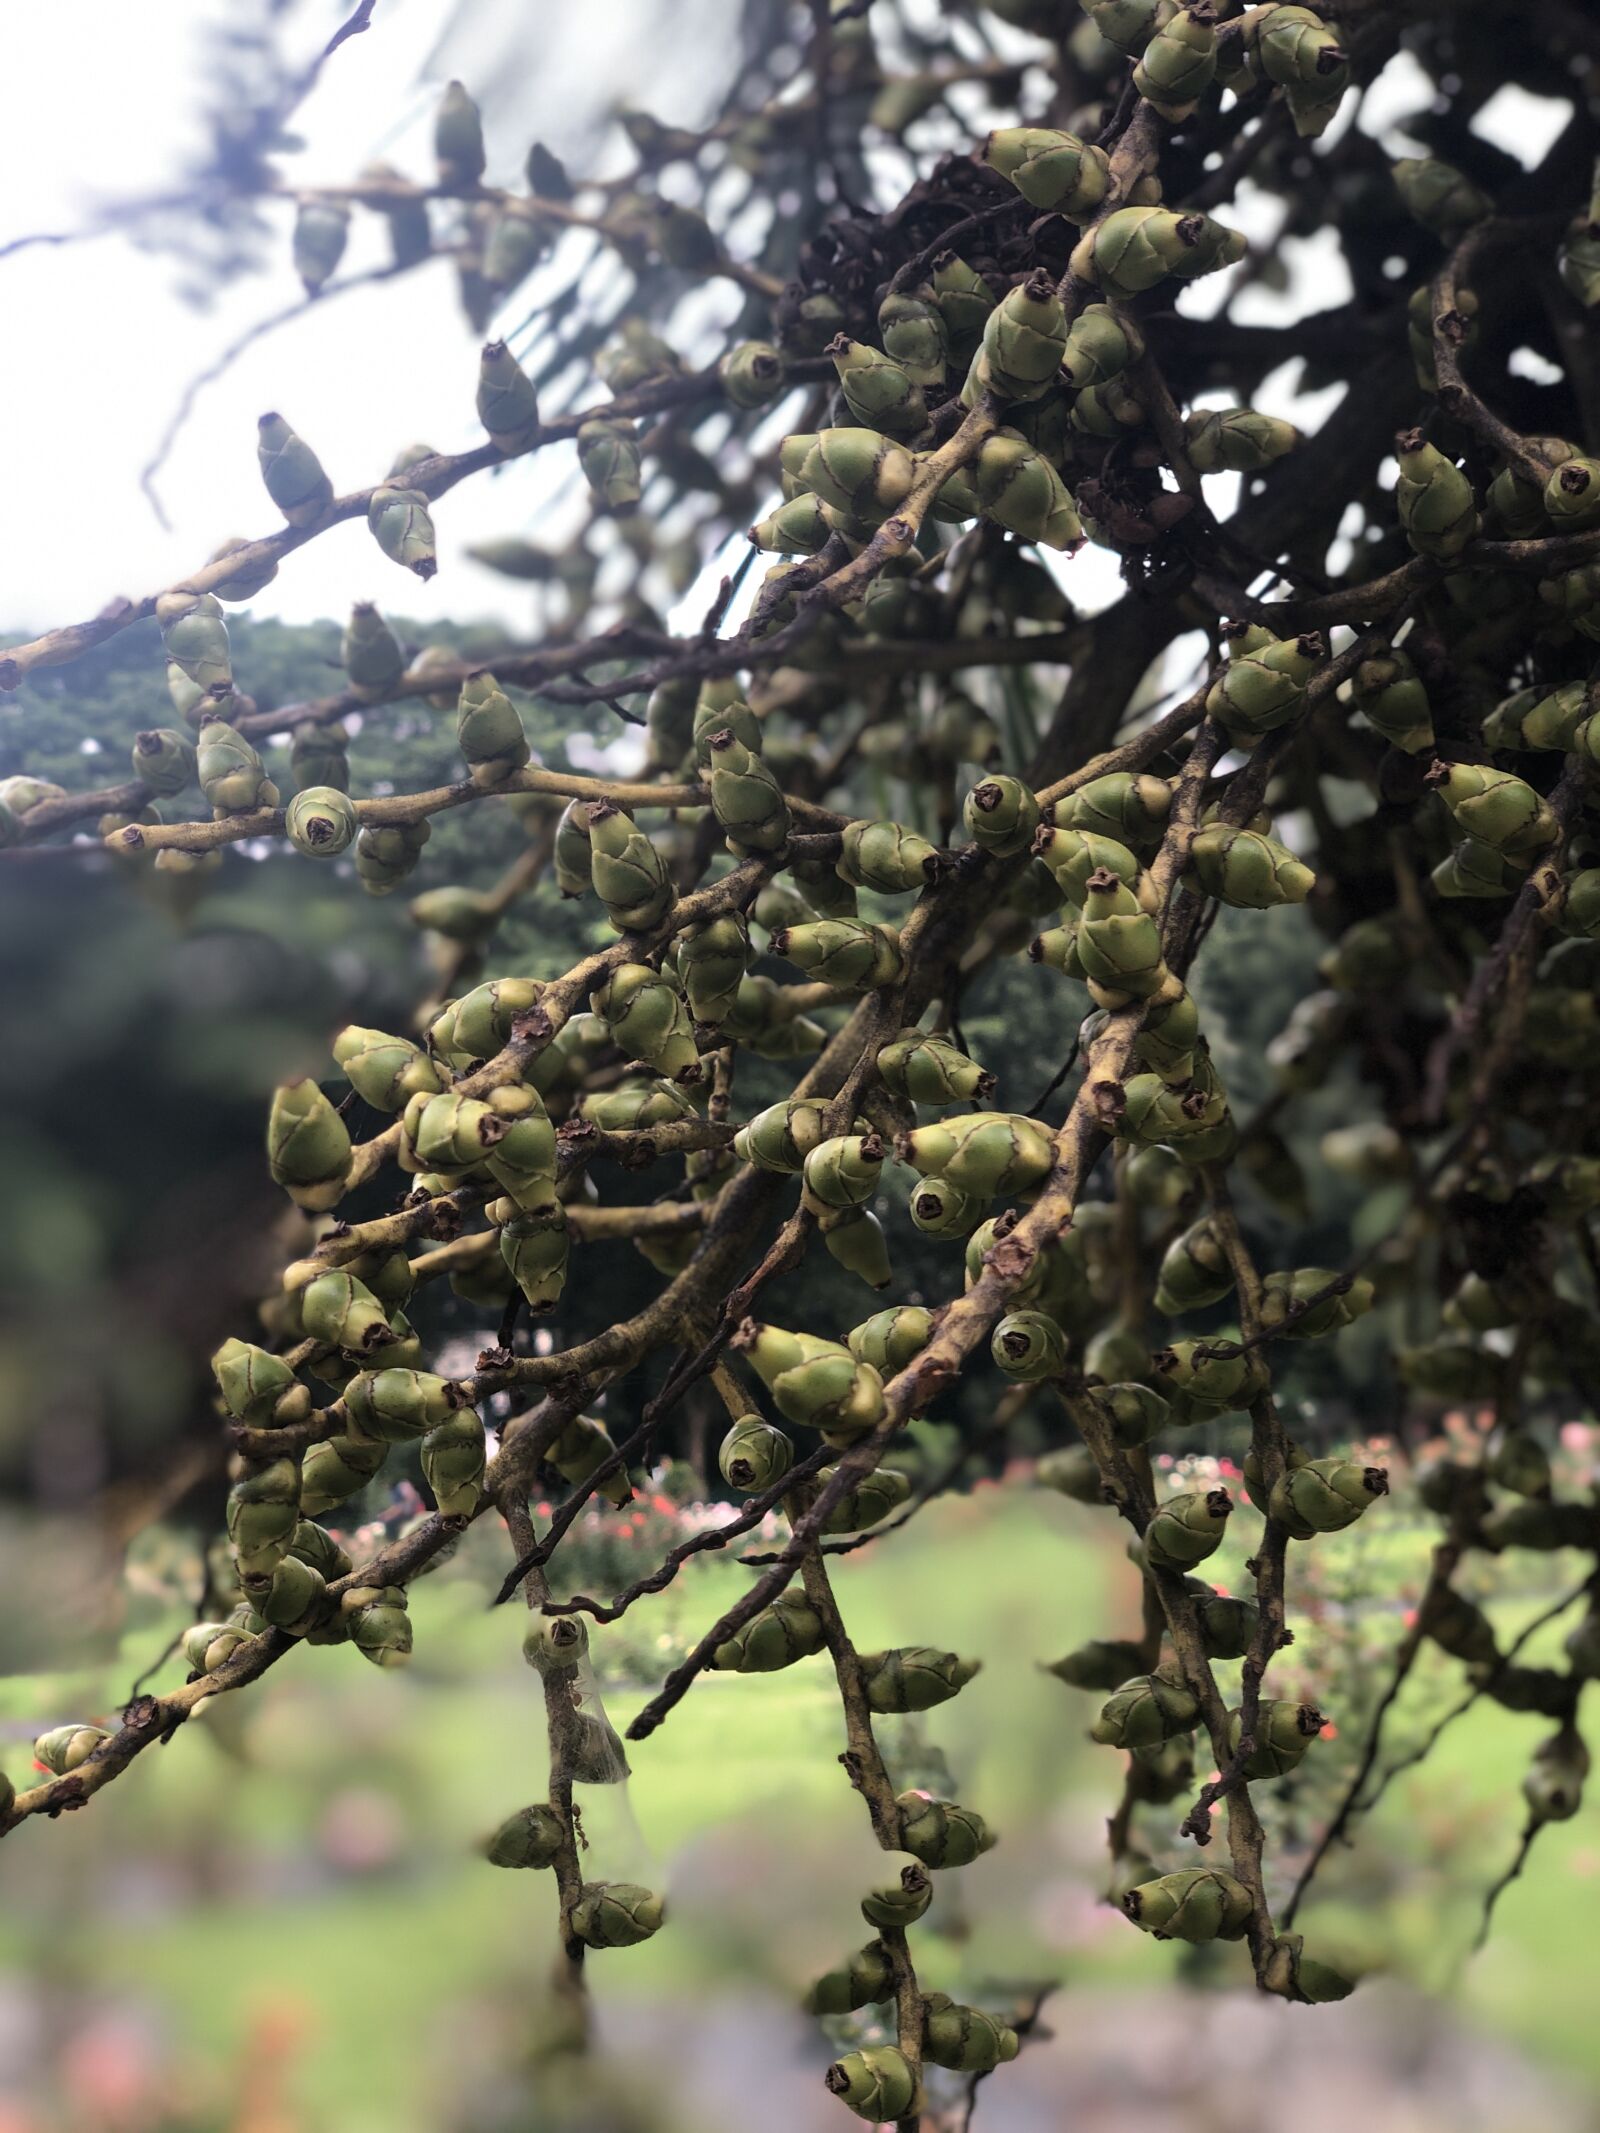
(97, 344)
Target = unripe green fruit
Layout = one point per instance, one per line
(930, 1070)
(941, 1833)
(649, 1019)
(916, 1677)
(385, 854)
(536, 1248)
(1029, 1347)
(1434, 499)
(379, 1625)
(842, 1173)
(1199, 1903)
(321, 822)
(254, 1384)
(67, 1748)
(878, 2083)
(231, 774)
(262, 1512)
(342, 1311)
(842, 951)
(888, 857)
(453, 1458)
(1146, 1710)
(608, 453)
(401, 524)
(391, 1406)
(871, 1501)
(1133, 248)
(209, 1645)
(616, 1914)
(965, 2038)
(981, 1153)
(292, 472)
(940, 1209)
(812, 1381)
(629, 875)
(164, 759)
(752, 374)
(336, 1469)
(1001, 815)
(1283, 1733)
(891, 1339)
(1102, 1664)
(489, 732)
(532, 1837)
(1236, 440)
(862, 1980)
(754, 1454)
(1135, 1413)
(1186, 1529)
(1179, 63)
(788, 1630)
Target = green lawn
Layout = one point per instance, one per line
(305, 1849)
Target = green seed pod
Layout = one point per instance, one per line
(913, 331)
(386, 854)
(571, 860)
(813, 1381)
(1186, 1529)
(1029, 1347)
(842, 1173)
(518, 238)
(67, 1748)
(195, 636)
(342, 1311)
(252, 1382)
(1072, 855)
(878, 2083)
(231, 774)
(1054, 171)
(312, 1544)
(292, 472)
(940, 1832)
(1227, 1626)
(846, 952)
(869, 1503)
(855, 1239)
(291, 1597)
(941, 1209)
(649, 1019)
(1283, 1293)
(1133, 248)
(964, 300)
(965, 2038)
(1553, 1785)
(1135, 1413)
(489, 732)
(1146, 1710)
(1199, 1903)
(1538, 718)
(930, 1070)
(1179, 63)
(335, 1469)
(824, 890)
(533, 1837)
(745, 796)
(788, 1630)
(250, 579)
(1195, 1271)
(608, 453)
(584, 1447)
(401, 524)
(982, 1153)
(1440, 197)
(1326, 1495)
(888, 857)
(630, 876)
(718, 706)
(879, 394)
(164, 760)
(754, 1454)
(482, 1021)
(536, 1247)
(1263, 685)
(891, 1339)
(900, 1903)
(508, 406)
(458, 139)
(321, 822)
(262, 1513)
(1001, 815)
(781, 1137)
(1434, 498)
(1128, 806)
(453, 1457)
(209, 1645)
(1129, 25)
(865, 475)
(393, 1406)
(308, 1149)
(1102, 1664)
(1118, 941)
(1100, 346)
(1108, 411)
(1572, 494)
(1389, 694)
(752, 374)
(916, 1677)
(371, 653)
(380, 1628)
(1283, 1733)
(862, 1980)
(319, 755)
(1018, 488)
(1074, 1471)
(1236, 440)
(712, 958)
(1495, 808)
(1516, 1460)
(1024, 338)
(1166, 1044)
